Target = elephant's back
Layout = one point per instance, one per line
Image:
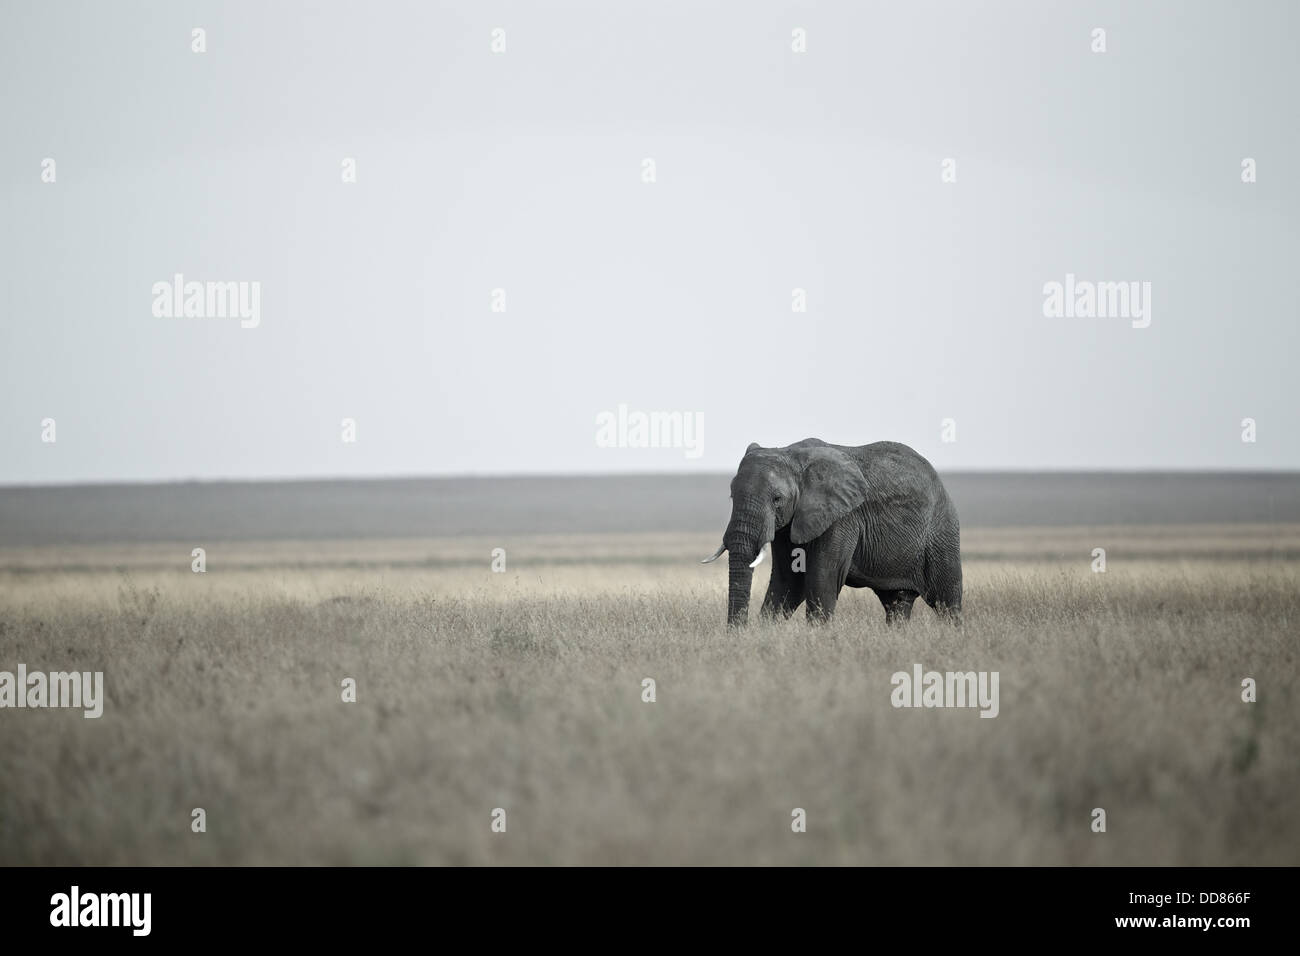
(903, 477)
(891, 459)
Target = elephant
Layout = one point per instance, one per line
(873, 516)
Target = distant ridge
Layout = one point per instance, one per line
(425, 507)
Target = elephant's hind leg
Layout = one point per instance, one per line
(946, 601)
(898, 604)
(943, 577)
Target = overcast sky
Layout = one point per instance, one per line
(524, 170)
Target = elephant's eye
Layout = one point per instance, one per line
(776, 499)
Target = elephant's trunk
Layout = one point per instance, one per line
(741, 577)
(745, 536)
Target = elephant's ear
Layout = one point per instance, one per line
(832, 485)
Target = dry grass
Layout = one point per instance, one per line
(523, 690)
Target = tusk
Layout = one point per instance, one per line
(758, 560)
(716, 554)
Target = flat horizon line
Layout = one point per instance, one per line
(500, 475)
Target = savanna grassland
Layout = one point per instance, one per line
(522, 690)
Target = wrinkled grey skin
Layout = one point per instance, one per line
(874, 516)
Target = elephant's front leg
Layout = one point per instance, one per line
(825, 579)
(785, 589)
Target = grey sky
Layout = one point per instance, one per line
(522, 170)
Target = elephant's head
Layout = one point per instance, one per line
(804, 486)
